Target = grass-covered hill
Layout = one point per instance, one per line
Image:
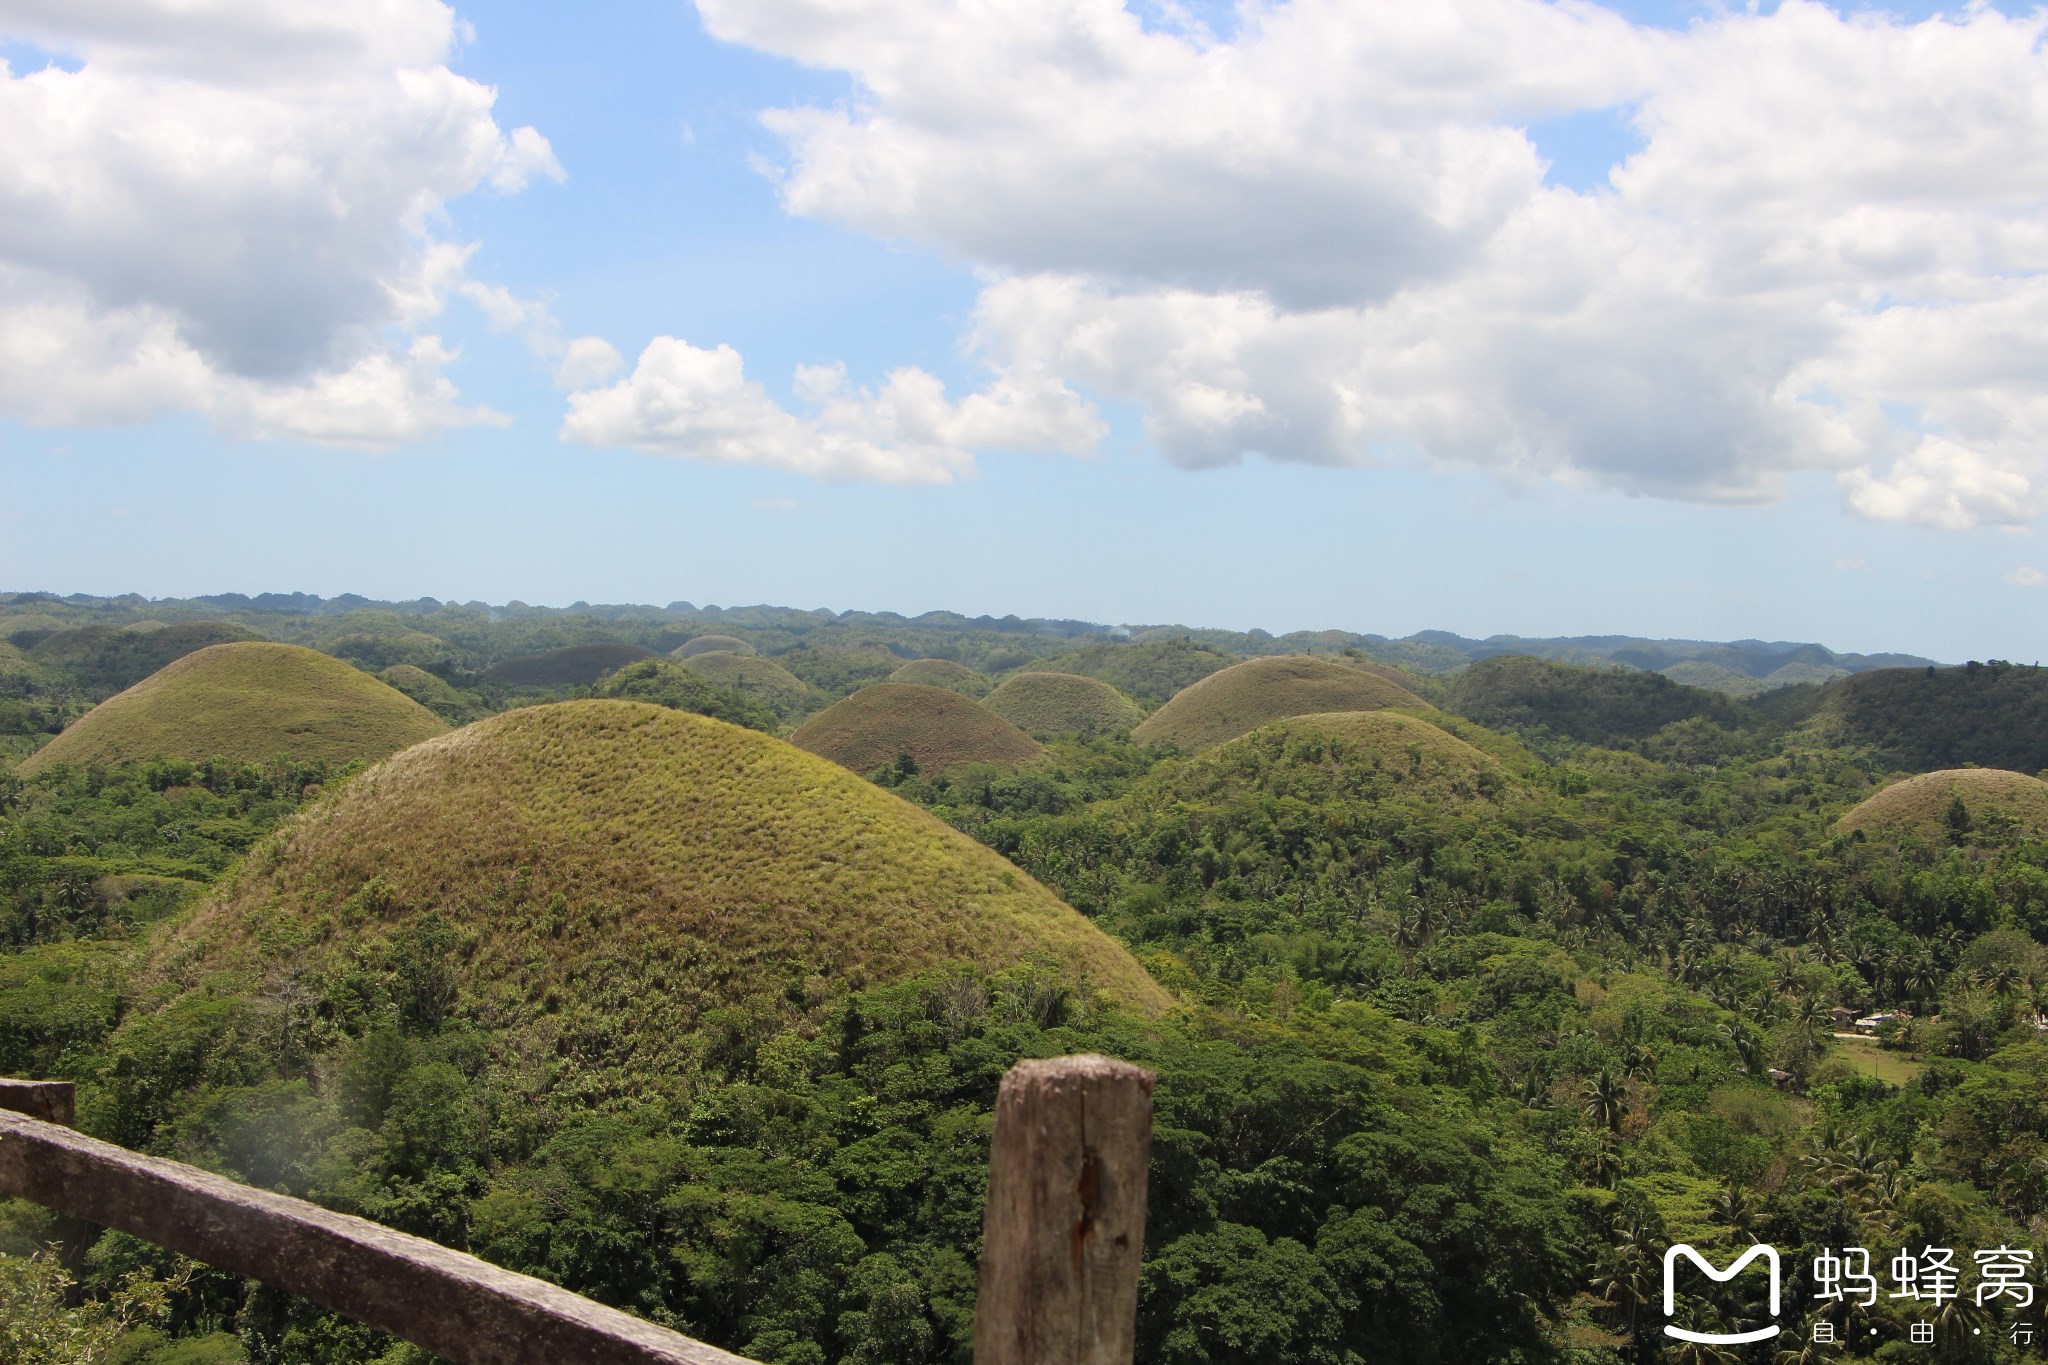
(1991, 801)
(1151, 671)
(762, 680)
(947, 673)
(569, 666)
(1063, 704)
(1599, 705)
(1994, 715)
(433, 692)
(711, 644)
(594, 879)
(250, 702)
(1346, 757)
(1245, 696)
(940, 730)
(102, 660)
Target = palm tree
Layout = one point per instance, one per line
(1604, 1098)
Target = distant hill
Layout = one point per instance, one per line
(105, 659)
(1924, 805)
(570, 666)
(1245, 696)
(1151, 672)
(763, 680)
(1063, 704)
(249, 702)
(432, 692)
(1747, 658)
(711, 644)
(946, 673)
(940, 730)
(1994, 715)
(1606, 706)
(590, 880)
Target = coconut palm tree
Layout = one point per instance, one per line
(1604, 1098)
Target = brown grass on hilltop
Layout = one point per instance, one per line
(947, 673)
(1245, 696)
(1920, 805)
(1063, 704)
(710, 644)
(940, 730)
(612, 870)
(251, 702)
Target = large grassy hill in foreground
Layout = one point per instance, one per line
(601, 874)
(1063, 704)
(941, 730)
(250, 702)
(1245, 696)
(1925, 805)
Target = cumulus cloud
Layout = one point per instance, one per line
(229, 206)
(2027, 576)
(694, 403)
(1330, 239)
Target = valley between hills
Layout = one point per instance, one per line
(673, 954)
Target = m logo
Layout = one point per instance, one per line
(1770, 1254)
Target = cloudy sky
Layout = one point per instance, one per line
(1487, 315)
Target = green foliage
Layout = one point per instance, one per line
(1605, 706)
(681, 689)
(1993, 715)
(1152, 671)
(103, 660)
(946, 673)
(759, 680)
(569, 666)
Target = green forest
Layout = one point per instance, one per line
(1468, 994)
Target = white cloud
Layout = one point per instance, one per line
(1328, 239)
(685, 401)
(588, 361)
(229, 206)
(2027, 576)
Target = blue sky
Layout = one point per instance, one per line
(666, 221)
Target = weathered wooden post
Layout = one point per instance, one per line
(1064, 1226)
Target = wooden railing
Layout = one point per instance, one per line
(1061, 1238)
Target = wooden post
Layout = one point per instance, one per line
(1065, 1222)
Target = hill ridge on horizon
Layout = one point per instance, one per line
(1431, 650)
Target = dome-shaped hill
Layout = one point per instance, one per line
(957, 677)
(105, 659)
(1413, 751)
(433, 692)
(570, 666)
(1245, 696)
(250, 702)
(940, 730)
(762, 680)
(1921, 805)
(711, 644)
(602, 873)
(1063, 704)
